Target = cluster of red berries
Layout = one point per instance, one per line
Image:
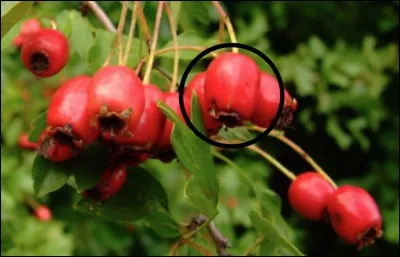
(44, 51)
(351, 210)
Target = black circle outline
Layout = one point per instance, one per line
(182, 86)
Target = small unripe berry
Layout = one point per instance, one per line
(43, 213)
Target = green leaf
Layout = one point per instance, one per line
(64, 23)
(81, 39)
(195, 155)
(241, 133)
(7, 241)
(164, 225)
(272, 234)
(39, 125)
(202, 14)
(7, 40)
(140, 196)
(12, 12)
(88, 166)
(48, 176)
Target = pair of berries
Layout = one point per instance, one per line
(351, 210)
(44, 51)
(234, 90)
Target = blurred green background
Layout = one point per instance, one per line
(339, 59)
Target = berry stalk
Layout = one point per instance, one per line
(131, 31)
(101, 15)
(175, 42)
(227, 22)
(146, 78)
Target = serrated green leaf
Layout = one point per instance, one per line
(195, 155)
(140, 196)
(81, 39)
(48, 176)
(12, 12)
(164, 224)
(64, 23)
(39, 125)
(272, 234)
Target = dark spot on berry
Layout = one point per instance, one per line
(286, 119)
(39, 62)
(112, 123)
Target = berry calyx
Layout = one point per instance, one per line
(211, 125)
(110, 183)
(355, 216)
(231, 85)
(116, 101)
(308, 195)
(172, 100)
(24, 143)
(267, 104)
(151, 123)
(43, 213)
(45, 53)
(68, 123)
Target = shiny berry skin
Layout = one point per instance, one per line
(211, 125)
(24, 143)
(116, 101)
(28, 27)
(355, 215)
(308, 195)
(172, 100)
(268, 104)
(230, 88)
(45, 53)
(110, 183)
(43, 213)
(151, 123)
(68, 123)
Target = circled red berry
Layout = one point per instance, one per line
(211, 125)
(68, 123)
(308, 195)
(24, 143)
(116, 101)
(355, 215)
(45, 53)
(43, 213)
(268, 102)
(230, 88)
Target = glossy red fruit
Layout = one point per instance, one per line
(28, 27)
(268, 104)
(151, 123)
(24, 143)
(211, 125)
(355, 216)
(116, 101)
(230, 88)
(43, 213)
(68, 123)
(45, 53)
(308, 195)
(172, 100)
(110, 183)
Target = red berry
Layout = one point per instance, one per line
(172, 100)
(308, 195)
(45, 52)
(43, 213)
(116, 101)
(151, 123)
(211, 125)
(268, 102)
(18, 41)
(24, 142)
(230, 88)
(68, 121)
(110, 183)
(28, 28)
(355, 215)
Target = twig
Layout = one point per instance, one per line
(221, 242)
(121, 25)
(169, 49)
(146, 78)
(176, 52)
(144, 26)
(227, 22)
(221, 30)
(198, 247)
(174, 248)
(131, 31)
(101, 15)
(252, 247)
